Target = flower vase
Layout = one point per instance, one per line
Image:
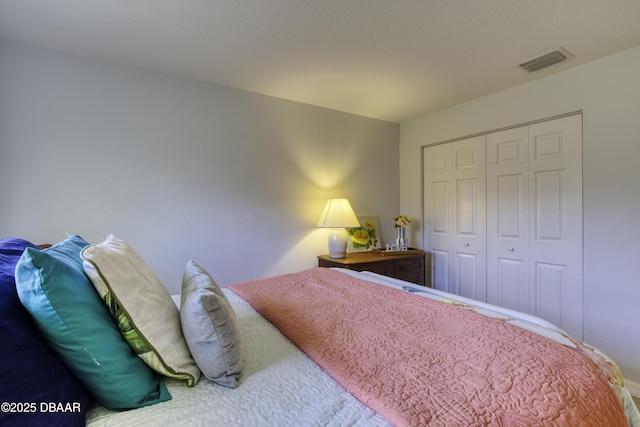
(402, 241)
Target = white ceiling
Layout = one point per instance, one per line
(388, 59)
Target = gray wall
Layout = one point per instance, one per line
(608, 93)
(179, 168)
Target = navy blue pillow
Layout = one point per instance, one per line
(32, 375)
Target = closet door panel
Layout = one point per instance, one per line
(440, 270)
(440, 235)
(467, 275)
(454, 209)
(510, 203)
(466, 215)
(508, 218)
(549, 206)
(437, 221)
(556, 245)
(550, 286)
(510, 285)
(440, 208)
(469, 212)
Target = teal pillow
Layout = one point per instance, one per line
(52, 286)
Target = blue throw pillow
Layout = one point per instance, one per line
(52, 286)
(30, 370)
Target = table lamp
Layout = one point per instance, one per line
(337, 216)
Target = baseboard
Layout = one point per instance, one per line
(634, 388)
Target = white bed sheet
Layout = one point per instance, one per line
(279, 386)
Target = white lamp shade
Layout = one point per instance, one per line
(337, 216)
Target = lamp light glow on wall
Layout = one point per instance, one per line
(337, 216)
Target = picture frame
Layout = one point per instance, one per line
(364, 238)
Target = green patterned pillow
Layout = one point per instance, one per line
(145, 313)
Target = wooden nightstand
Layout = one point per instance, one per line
(409, 267)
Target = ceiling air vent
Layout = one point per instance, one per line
(545, 60)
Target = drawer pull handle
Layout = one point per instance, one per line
(511, 248)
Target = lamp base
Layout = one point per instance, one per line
(337, 242)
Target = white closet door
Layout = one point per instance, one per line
(437, 221)
(469, 211)
(555, 182)
(534, 229)
(508, 218)
(455, 210)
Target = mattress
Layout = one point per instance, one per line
(280, 385)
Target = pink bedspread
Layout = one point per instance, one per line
(422, 362)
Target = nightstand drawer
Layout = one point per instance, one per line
(385, 268)
(409, 266)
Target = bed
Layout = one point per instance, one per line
(323, 347)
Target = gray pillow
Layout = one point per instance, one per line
(210, 327)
